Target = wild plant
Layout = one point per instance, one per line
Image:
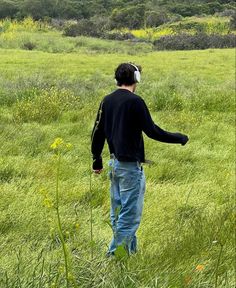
(59, 146)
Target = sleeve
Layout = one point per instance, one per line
(152, 130)
(98, 139)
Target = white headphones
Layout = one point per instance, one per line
(137, 74)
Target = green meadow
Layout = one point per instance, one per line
(186, 238)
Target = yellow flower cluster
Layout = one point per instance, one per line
(47, 201)
(59, 142)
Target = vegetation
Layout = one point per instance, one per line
(130, 14)
(32, 35)
(186, 236)
(189, 34)
(54, 213)
(188, 25)
(195, 42)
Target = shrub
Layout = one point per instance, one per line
(233, 21)
(192, 9)
(155, 19)
(8, 9)
(198, 25)
(131, 17)
(29, 45)
(116, 35)
(195, 42)
(94, 27)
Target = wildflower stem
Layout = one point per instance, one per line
(7, 279)
(218, 264)
(91, 208)
(59, 221)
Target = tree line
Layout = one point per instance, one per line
(120, 13)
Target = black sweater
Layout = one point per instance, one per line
(121, 118)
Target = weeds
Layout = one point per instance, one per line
(46, 107)
(58, 145)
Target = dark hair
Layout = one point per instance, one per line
(124, 74)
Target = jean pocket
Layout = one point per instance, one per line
(130, 180)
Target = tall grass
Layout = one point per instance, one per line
(186, 238)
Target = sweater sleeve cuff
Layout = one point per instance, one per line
(97, 163)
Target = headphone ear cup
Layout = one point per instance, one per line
(137, 76)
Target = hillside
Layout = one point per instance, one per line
(139, 11)
(37, 35)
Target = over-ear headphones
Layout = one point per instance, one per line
(137, 74)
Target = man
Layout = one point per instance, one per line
(121, 119)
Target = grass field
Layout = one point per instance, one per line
(186, 238)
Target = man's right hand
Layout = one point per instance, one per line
(97, 171)
(97, 165)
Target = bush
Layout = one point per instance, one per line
(233, 21)
(94, 27)
(8, 9)
(119, 36)
(131, 17)
(155, 19)
(195, 42)
(192, 9)
(29, 45)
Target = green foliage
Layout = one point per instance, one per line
(95, 27)
(131, 17)
(8, 8)
(195, 42)
(233, 21)
(128, 14)
(29, 45)
(23, 35)
(187, 10)
(37, 9)
(155, 19)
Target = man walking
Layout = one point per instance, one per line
(121, 119)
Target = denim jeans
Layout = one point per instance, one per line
(127, 197)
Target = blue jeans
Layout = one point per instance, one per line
(127, 197)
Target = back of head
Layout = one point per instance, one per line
(127, 74)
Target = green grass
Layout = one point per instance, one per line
(188, 216)
(31, 35)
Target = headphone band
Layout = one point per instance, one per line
(134, 67)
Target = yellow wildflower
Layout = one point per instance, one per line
(200, 267)
(69, 146)
(47, 202)
(57, 142)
